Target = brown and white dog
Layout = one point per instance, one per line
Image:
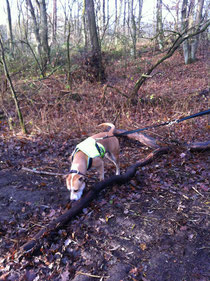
(75, 181)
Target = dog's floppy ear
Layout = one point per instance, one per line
(71, 158)
(73, 153)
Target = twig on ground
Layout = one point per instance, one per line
(91, 275)
(197, 191)
(78, 206)
(34, 170)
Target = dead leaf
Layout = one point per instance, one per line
(65, 276)
(143, 246)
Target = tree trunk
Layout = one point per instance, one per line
(116, 24)
(36, 33)
(107, 10)
(180, 40)
(129, 14)
(195, 40)
(159, 25)
(14, 96)
(104, 14)
(95, 46)
(184, 28)
(84, 27)
(190, 24)
(133, 30)
(9, 20)
(69, 78)
(41, 34)
(124, 16)
(54, 27)
(140, 16)
(35, 27)
(115, 13)
(65, 27)
(44, 32)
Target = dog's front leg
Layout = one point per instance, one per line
(101, 171)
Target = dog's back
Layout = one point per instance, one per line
(110, 143)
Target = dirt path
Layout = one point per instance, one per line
(154, 228)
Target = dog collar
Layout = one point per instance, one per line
(76, 172)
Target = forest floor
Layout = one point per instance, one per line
(155, 227)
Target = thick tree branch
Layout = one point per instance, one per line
(77, 207)
(181, 38)
(142, 138)
(199, 146)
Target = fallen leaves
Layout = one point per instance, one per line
(159, 216)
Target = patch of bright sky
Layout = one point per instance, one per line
(147, 12)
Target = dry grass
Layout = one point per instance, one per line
(49, 109)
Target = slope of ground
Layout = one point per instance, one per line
(153, 228)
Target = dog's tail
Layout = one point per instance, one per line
(110, 125)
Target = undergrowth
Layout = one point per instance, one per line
(175, 90)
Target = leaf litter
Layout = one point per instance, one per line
(154, 228)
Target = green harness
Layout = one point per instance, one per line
(91, 148)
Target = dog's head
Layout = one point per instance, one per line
(75, 184)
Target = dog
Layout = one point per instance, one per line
(90, 153)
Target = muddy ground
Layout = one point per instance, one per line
(154, 228)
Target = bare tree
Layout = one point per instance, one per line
(107, 9)
(44, 30)
(116, 19)
(133, 30)
(198, 19)
(140, 16)
(124, 16)
(9, 21)
(95, 46)
(104, 14)
(116, 11)
(40, 28)
(35, 27)
(14, 95)
(54, 25)
(191, 22)
(181, 38)
(159, 25)
(69, 77)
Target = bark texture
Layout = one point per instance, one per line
(95, 46)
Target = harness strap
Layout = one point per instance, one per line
(89, 161)
(76, 172)
(100, 149)
(89, 164)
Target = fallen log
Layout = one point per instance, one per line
(36, 242)
(142, 138)
(199, 146)
(153, 143)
